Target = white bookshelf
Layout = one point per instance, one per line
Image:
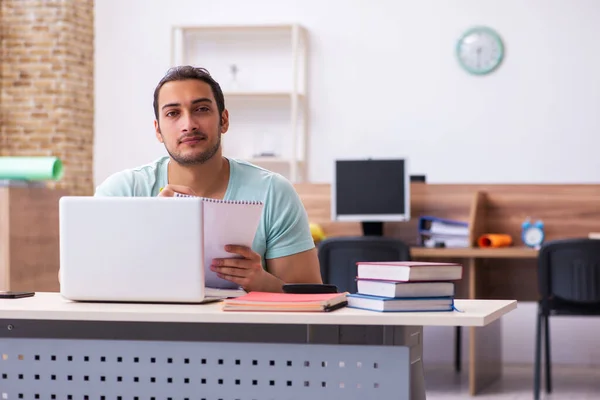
(266, 98)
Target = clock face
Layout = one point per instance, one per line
(480, 50)
(533, 236)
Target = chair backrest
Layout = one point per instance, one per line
(569, 270)
(338, 257)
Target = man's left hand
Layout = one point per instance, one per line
(246, 271)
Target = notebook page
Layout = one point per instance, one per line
(227, 222)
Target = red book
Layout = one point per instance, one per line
(266, 301)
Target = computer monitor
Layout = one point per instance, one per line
(371, 191)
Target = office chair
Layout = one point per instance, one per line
(338, 257)
(569, 284)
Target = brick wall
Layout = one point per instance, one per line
(47, 84)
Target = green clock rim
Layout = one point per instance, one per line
(496, 37)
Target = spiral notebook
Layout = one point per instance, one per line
(226, 222)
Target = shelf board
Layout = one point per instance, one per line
(261, 94)
(220, 28)
(272, 160)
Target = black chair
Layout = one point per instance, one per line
(338, 257)
(569, 284)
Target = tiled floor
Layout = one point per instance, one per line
(569, 383)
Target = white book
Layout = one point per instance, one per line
(226, 222)
(404, 289)
(405, 271)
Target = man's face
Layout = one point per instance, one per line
(189, 124)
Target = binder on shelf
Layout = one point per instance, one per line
(443, 226)
(443, 232)
(448, 241)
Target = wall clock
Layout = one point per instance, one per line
(480, 50)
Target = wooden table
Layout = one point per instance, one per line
(52, 346)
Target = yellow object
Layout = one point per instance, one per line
(317, 232)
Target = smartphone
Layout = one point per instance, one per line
(15, 295)
(309, 288)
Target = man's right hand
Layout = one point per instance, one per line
(169, 191)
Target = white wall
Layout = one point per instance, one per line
(385, 82)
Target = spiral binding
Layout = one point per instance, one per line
(210, 200)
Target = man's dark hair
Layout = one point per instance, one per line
(185, 72)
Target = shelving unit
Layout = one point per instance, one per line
(267, 96)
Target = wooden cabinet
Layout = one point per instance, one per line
(29, 238)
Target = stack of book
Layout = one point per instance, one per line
(442, 232)
(405, 286)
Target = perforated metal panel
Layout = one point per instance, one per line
(150, 370)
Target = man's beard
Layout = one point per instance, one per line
(196, 159)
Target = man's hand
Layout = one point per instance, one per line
(169, 191)
(247, 271)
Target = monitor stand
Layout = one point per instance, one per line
(372, 228)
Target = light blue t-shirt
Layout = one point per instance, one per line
(283, 230)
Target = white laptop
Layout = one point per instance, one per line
(133, 249)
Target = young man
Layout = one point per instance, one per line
(190, 118)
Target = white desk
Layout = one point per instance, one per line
(51, 346)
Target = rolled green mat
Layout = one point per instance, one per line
(31, 168)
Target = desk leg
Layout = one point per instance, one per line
(412, 337)
(417, 377)
(485, 345)
(486, 356)
(405, 336)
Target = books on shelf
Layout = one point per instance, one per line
(443, 232)
(405, 286)
(286, 302)
(447, 241)
(443, 226)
